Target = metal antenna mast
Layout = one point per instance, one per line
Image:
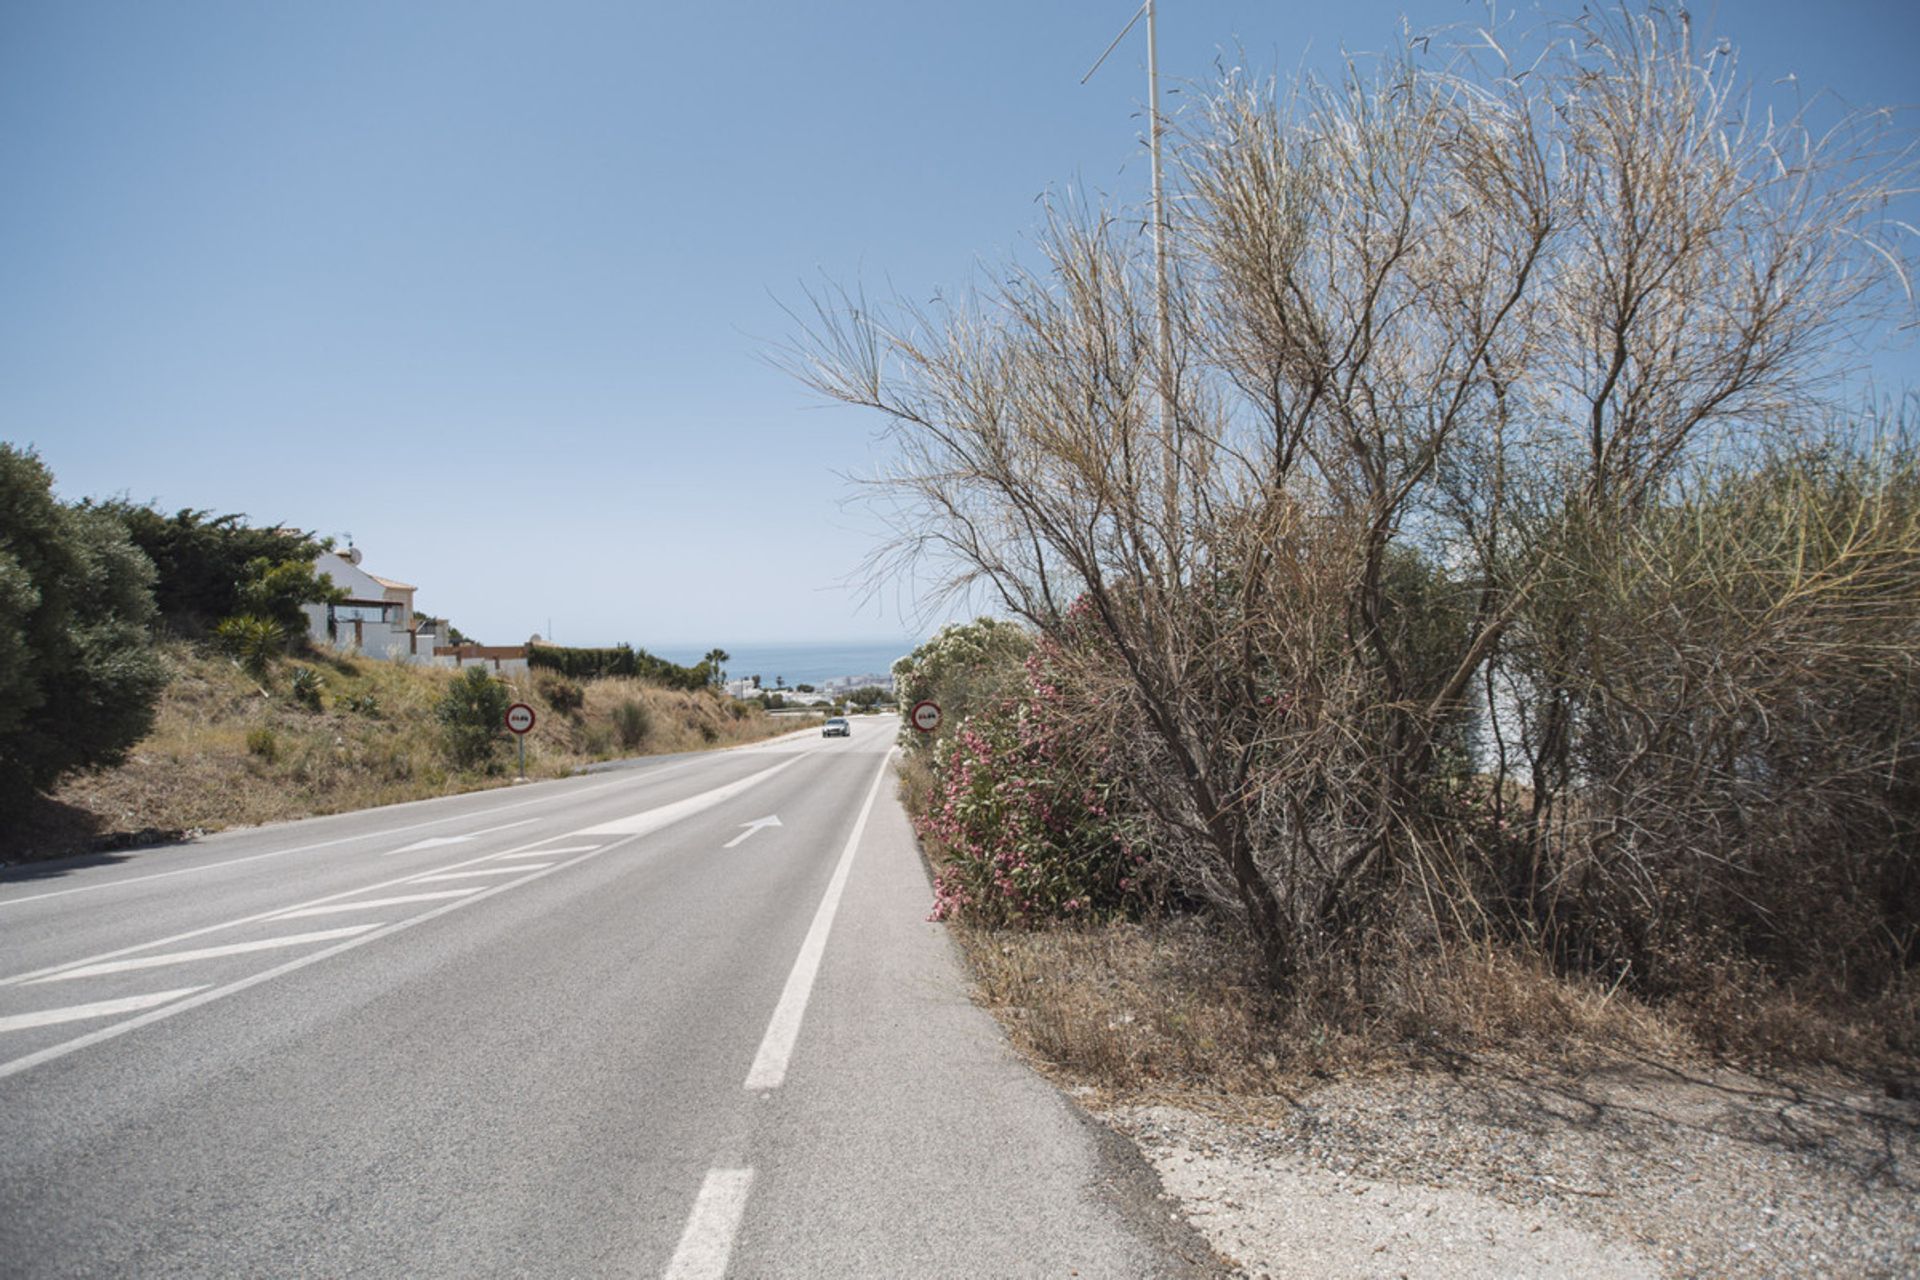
(1164, 355)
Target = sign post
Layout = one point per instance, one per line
(519, 722)
(925, 716)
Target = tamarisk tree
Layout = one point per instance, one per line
(1424, 322)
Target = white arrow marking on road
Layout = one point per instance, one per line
(751, 827)
(99, 1009)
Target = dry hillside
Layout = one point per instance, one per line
(227, 750)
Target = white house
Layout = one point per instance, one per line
(376, 618)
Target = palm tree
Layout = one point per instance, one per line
(714, 660)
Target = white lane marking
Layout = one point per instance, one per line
(334, 909)
(751, 827)
(640, 824)
(431, 842)
(98, 1009)
(54, 1052)
(208, 953)
(513, 870)
(527, 849)
(706, 1246)
(568, 797)
(61, 1050)
(533, 852)
(435, 842)
(776, 1047)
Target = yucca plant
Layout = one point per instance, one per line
(251, 641)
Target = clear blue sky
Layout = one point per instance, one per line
(490, 286)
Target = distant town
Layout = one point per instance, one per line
(808, 695)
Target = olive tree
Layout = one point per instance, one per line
(79, 677)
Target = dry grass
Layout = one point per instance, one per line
(226, 751)
(1128, 1010)
(1174, 1012)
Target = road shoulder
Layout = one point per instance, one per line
(1633, 1170)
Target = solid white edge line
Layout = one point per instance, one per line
(98, 1009)
(706, 1245)
(769, 1069)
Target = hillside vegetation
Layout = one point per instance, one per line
(228, 750)
(1453, 602)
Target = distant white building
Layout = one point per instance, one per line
(377, 619)
(840, 686)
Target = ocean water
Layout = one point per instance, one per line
(800, 663)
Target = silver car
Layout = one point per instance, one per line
(837, 727)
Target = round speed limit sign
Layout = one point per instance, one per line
(925, 716)
(519, 718)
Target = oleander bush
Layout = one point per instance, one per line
(1022, 822)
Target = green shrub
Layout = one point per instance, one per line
(277, 589)
(621, 660)
(79, 677)
(632, 723)
(364, 704)
(472, 718)
(308, 685)
(562, 694)
(263, 743)
(201, 559)
(253, 642)
(966, 666)
(1024, 818)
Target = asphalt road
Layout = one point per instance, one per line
(614, 1025)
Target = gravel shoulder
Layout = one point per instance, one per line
(1634, 1170)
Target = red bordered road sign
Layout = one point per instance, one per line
(925, 716)
(519, 718)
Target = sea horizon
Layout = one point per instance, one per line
(800, 662)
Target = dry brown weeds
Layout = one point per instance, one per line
(228, 751)
(1174, 1012)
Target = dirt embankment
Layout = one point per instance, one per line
(228, 750)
